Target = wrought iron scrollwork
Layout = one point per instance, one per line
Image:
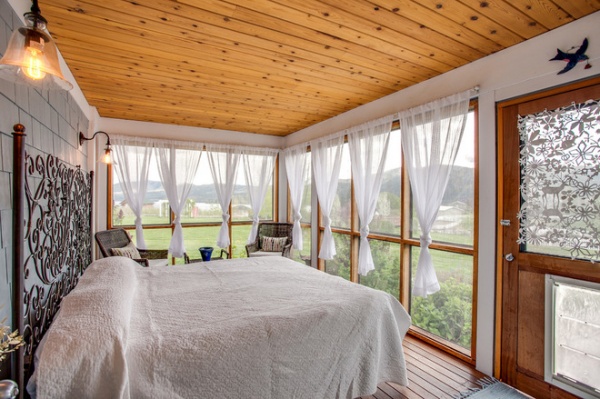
(58, 244)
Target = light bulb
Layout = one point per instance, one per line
(107, 157)
(34, 64)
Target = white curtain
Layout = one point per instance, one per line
(132, 165)
(368, 149)
(224, 161)
(296, 169)
(177, 168)
(326, 161)
(431, 136)
(258, 168)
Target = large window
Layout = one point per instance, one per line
(445, 317)
(201, 217)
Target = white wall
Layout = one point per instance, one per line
(516, 71)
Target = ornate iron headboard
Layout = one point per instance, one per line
(52, 242)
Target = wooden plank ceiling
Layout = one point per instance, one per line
(277, 66)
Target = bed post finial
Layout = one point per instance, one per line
(18, 284)
(19, 129)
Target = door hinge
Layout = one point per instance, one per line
(505, 222)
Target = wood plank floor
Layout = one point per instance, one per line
(432, 373)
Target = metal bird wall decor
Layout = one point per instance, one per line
(573, 58)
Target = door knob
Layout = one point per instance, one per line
(509, 257)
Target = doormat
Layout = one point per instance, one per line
(491, 388)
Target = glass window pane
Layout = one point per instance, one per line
(203, 199)
(387, 213)
(342, 206)
(455, 219)
(239, 238)
(266, 211)
(340, 265)
(241, 208)
(448, 312)
(155, 238)
(196, 237)
(306, 207)
(156, 206)
(304, 255)
(386, 276)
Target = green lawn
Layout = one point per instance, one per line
(196, 237)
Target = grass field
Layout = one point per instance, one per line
(196, 237)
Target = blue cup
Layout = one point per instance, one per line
(206, 253)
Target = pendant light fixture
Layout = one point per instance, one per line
(31, 56)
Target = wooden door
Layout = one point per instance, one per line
(525, 248)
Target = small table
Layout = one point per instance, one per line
(224, 255)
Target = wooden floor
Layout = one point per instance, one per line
(432, 373)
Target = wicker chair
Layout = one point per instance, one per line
(271, 229)
(119, 238)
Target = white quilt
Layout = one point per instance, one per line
(266, 328)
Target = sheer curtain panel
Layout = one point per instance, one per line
(224, 161)
(132, 166)
(258, 168)
(177, 168)
(326, 160)
(296, 169)
(431, 136)
(368, 150)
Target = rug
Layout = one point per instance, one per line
(491, 388)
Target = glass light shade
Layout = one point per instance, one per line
(32, 58)
(107, 157)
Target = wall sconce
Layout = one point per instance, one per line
(107, 158)
(32, 57)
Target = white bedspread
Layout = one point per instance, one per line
(251, 328)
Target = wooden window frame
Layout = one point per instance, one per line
(407, 242)
(171, 225)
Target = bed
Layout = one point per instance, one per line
(253, 328)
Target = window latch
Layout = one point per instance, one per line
(504, 222)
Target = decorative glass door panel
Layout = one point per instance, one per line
(560, 181)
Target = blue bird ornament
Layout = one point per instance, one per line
(573, 58)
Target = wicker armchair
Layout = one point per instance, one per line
(119, 238)
(271, 229)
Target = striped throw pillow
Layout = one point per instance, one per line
(272, 244)
(128, 251)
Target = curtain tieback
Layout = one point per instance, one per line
(225, 217)
(327, 221)
(297, 217)
(364, 231)
(425, 240)
(138, 220)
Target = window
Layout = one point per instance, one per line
(572, 328)
(201, 217)
(446, 316)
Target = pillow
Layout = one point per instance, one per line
(272, 244)
(128, 251)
